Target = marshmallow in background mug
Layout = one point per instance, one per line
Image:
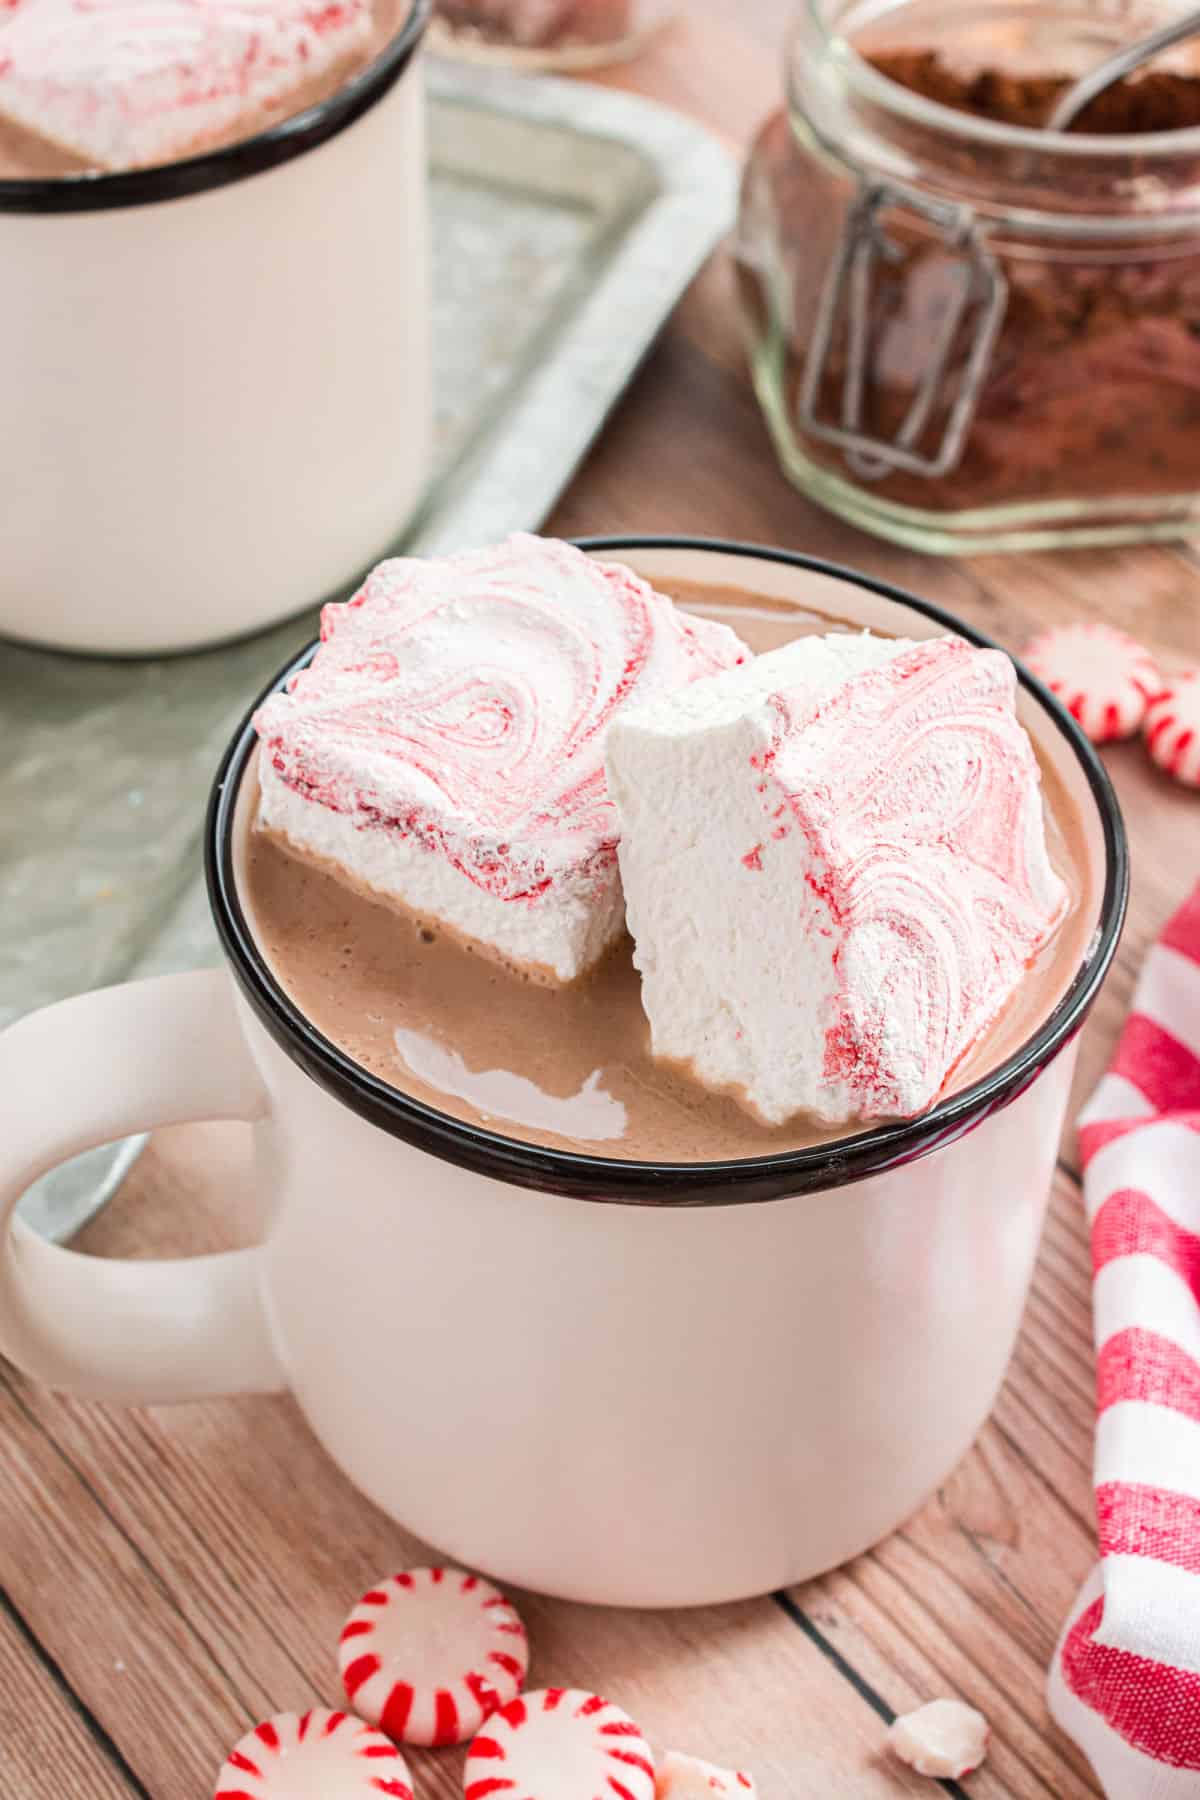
(122, 85)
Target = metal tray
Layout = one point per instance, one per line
(567, 221)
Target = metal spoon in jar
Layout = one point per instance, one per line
(1122, 62)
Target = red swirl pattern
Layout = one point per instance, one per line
(463, 704)
(917, 792)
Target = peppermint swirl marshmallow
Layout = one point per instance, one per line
(868, 811)
(1104, 678)
(121, 84)
(445, 748)
(1173, 728)
(315, 1755)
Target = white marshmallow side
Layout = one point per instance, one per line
(563, 930)
(835, 874)
(745, 1013)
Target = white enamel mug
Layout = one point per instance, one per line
(216, 375)
(620, 1382)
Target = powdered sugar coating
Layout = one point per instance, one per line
(429, 1654)
(1173, 728)
(687, 1778)
(446, 746)
(944, 1739)
(316, 1755)
(122, 84)
(559, 1744)
(835, 870)
(1104, 678)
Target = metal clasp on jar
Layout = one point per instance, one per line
(845, 308)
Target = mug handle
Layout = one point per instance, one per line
(85, 1072)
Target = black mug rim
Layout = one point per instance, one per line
(291, 137)
(820, 1167)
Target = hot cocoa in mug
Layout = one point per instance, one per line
(501, 1232)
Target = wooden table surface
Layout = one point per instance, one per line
(172, 1576)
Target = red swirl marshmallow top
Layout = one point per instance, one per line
(446, 746)
(122, 84)
(835, 870)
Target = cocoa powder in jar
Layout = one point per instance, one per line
(1092, 390)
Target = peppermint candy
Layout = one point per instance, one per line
(1173, 728)
(687, 1778)
(428, 1655)
(316, 1755)
(1104, 678)
(560, 1744)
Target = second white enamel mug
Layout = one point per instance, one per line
(216, 375)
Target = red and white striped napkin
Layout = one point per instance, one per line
(1125, 1682)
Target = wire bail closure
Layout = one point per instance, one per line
(981, 288)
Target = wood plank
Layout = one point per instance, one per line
(47, 1744)
(216, 1551)
(968, 1598)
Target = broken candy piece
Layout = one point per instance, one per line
(317, 1753)
(687, 1778)
(428, 1654)
(835, 870)
(559, 1744)
(944, 1738)
(446, 746)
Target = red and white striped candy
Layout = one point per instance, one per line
(1103, 677)
(687, 1778)
(430, 1654)
(1173, 728)
(315, 1755)
(560, 1744)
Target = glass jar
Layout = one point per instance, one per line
(545, 34)
(967, 332)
